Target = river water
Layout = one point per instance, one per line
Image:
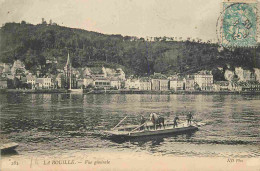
(56, 124)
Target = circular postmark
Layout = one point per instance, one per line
(237, 25)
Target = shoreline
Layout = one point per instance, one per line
(123, 91)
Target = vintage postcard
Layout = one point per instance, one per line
(151, 85)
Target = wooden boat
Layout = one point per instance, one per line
(8, 146)
(133, 131)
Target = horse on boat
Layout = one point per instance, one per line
(157, 120)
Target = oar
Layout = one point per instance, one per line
(138, 127)
(120, 122)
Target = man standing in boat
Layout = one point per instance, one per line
(189, 117)
(175, 123)
(142, 123)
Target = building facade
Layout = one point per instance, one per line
(189, 83)
(102, 83)
(155, 84)
(204, 79)
(44, 83)
(132, 84)
(145, 85)
(88, 81)
(31, 80)
(164, 84)
(115, 83)
(177, 84)
(221, 86)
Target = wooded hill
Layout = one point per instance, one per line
(34, 44)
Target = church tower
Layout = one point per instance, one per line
(68, 73)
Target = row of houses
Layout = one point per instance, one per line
(236, 86)
(202, 80)
(60, 82)
(106, 78)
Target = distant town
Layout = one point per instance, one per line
(16, 77)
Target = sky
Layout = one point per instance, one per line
(141, 18)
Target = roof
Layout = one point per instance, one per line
(177, 79)
(114, 79)
(204, 72)
(145, 79)
(88, 77)
(40, 80)
(102, 79)
(68, 60)
(31, 77)
(23, 79)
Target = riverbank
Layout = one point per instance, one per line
(166, 92)
(123, 91)
(33, 91)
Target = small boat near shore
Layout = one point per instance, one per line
(75, 90)
(8, 147)
(133, 131)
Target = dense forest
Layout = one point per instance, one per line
(35, 44)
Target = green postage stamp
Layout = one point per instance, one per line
(239, 23)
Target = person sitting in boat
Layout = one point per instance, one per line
(189, 117)
(175, 123)
(142, 123)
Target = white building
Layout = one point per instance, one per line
(102, 83)
(115, 83)
(221, 86)
(164, 84)
(132, 84)
(31, 79)
(120, 74)
(88, 81)
(145, 85)
(177, 84)
(44, 83)
(204, 79)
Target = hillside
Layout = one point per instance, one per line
(34, 44)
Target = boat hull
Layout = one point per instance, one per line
(8, 147)
(149, 133)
